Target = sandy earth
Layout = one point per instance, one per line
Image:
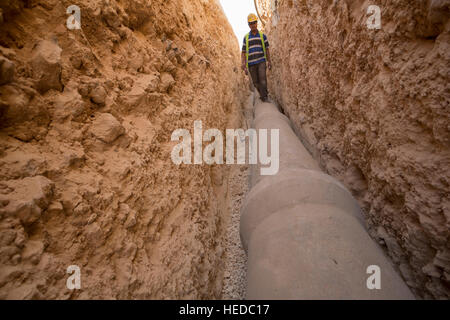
(86, 176)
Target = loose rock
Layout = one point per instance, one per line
(46, 64)
(167, 81)
(98, 95)
(106, 128)
(27, 200)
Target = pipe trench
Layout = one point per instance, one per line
(303, 231)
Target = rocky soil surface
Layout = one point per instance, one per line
(372, 105)
(86, 177)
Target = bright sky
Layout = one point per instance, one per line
(237, 12)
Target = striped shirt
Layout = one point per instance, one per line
(256, 51)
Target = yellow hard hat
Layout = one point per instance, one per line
(252, 18)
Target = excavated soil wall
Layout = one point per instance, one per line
(372, 105)
(86, 176)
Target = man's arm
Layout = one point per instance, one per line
(244, 62)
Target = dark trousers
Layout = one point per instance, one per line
(259, 78)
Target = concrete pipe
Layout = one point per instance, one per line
(304, 233)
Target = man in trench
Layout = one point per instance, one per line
(256, 57)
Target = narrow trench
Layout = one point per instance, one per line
(88, 179)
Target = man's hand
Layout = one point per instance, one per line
(244, 68)
(269, 65)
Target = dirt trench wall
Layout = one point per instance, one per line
(373, 107)
(86, 118)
